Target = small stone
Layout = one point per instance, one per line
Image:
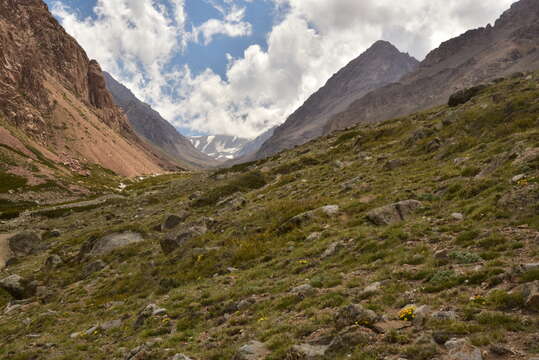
(441, 254)
(18, 287)
(113, 324)
(421, 314)
(55, 233)
(173, 220)
(355, 314)
(444, 315)
(53, 261)
(457, 216)
(314, 236)
(372, 288)
(330, 210)
(332, 249)
(180, 357)
(517, 178)
(303, 291)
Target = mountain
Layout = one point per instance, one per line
(417, 239)
(477, 56)
(380, 65)
(56, 114)
(149, 125)
(219, 147)
(254, 145)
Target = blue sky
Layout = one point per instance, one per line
(239, 67)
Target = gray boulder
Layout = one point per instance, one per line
(26, 243)
(175, 240)
(393, 213)
(303, 291)
(253, 350)
(18, 287)
(461, 349)
(53, 261)
(173, 220)
(308, 352)
(96, 247)
(355, 314)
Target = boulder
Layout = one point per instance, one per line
(332, 249)
(393, 213)
(173, 220)
(461, 349)
(307, 351)
(26, 243)
(149, 311)
(444, 315)
(100, 246)
(314, 236)
(253, 350)
(141, 352)
(350, 337)
(18, 287)
(531, 295)
(355, 314)
(303, 291)
(175, 240)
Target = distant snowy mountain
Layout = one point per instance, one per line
(220, 147)
(225, 147)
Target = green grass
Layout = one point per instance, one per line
(11, 182)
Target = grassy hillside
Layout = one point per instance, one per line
(248, 237)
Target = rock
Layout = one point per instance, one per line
(307, 351)
(515, 179)
(465, 95)
(139, 353)
(355, 314)
(444, 315)
(196, 195)
(329, 210)
(442, 254)
(393, 213)
(254, 350)
(531, 295)
(421, 314)
(457, 216)
(528, 156)
(18, 287)
(180, 357)
(26, 243)
(500, 350)
(95, 247)
(173, 220)
(93, 267)
(434, 145)
(303, 291)
(371, 289)
(350, 337)
(235, 202)
(113, 324)
(173, 241)
(332, 249)
(314, 236)
(53, 262)
(391, 325)
(349, 185)
(461, 349)
(393, 164)
(530, 266)
(418, 135)
(44, 294)
(147, 312)
(55, 233)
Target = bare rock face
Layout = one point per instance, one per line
(475, 57)
(66, 110)
(380, 65)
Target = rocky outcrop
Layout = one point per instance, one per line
(380, 65)
(56, 96)
(393, 213)
(475, 57)
(104, 245)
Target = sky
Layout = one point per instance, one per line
(239, 67)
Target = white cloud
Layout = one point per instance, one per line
(313, 40)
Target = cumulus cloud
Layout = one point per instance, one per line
(311, 40)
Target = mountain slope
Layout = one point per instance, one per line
(380, 65)
(254, 145)
(320, 249)
(54, 101)
(511, 45)
(149, 125)
(219, 147)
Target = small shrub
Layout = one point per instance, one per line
(502, 300)
(465, 257)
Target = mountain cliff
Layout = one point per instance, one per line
(151, 126)
(54, 106)
(380, 65)
(477, 56)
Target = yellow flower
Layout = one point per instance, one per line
(262, 319)
(303, 262)
(408, 313)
